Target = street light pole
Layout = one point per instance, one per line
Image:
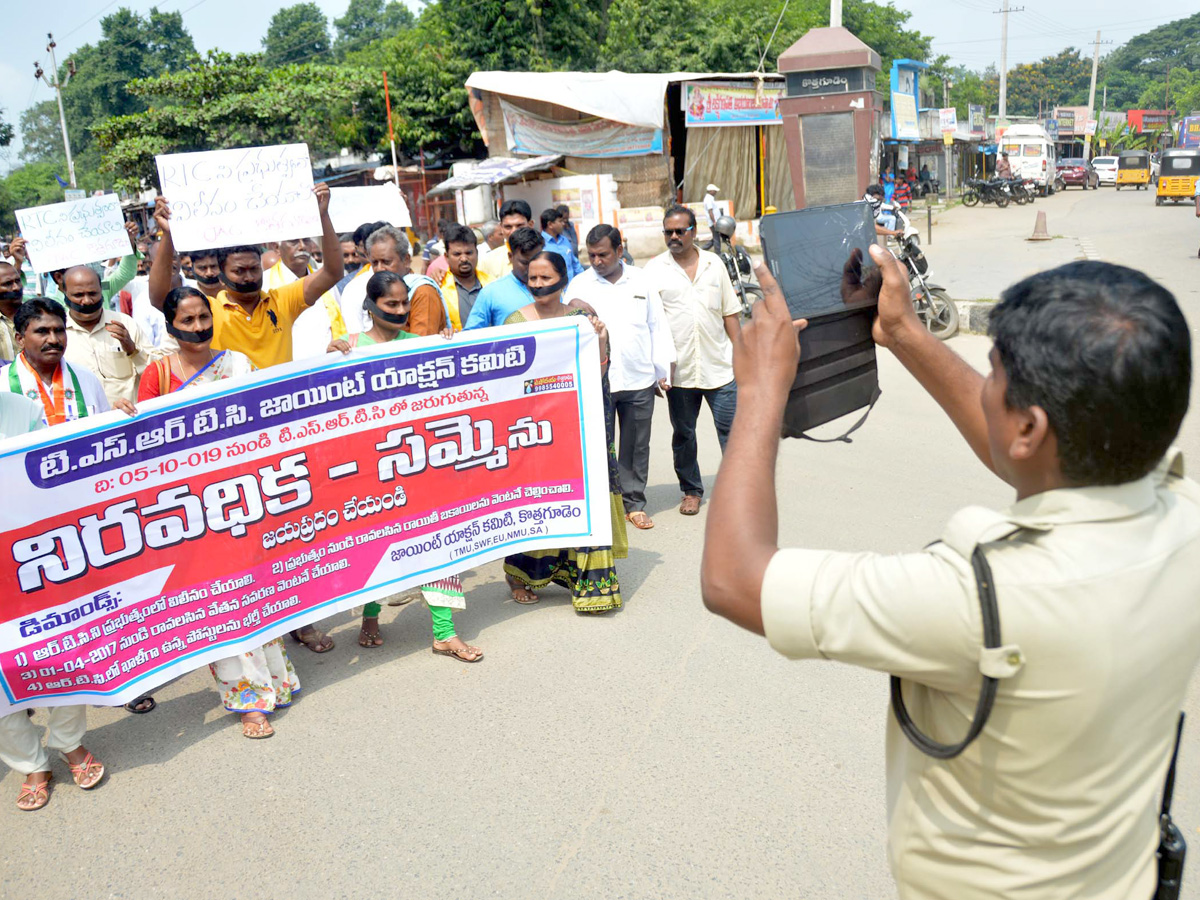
(58, 86)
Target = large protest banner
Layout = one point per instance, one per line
(219, 518)
(74, 233)
(350, 207)
(220, 198)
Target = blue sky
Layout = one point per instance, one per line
(966, 30)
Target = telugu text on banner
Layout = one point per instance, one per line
(216, 520)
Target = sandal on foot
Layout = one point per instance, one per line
(314, 640)
(458, 653)
(139, 707)
(88, 773)
(256, 729)
(690, 505)
(515, 586)
(371, 639)
(34, 796)
(639, 520)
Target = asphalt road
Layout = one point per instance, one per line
(657, 752)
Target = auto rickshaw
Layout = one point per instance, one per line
(1133, 167)
(1177, 175)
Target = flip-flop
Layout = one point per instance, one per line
(692, 508)
(261, 729)
(132, 706)
(639, 520)
(370, 641)
(457, 654)
(316, 642)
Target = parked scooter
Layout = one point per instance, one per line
(933, 304)
(737, 263)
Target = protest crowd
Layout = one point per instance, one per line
(1090, 382)
(163, 319)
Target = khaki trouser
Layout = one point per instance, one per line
(21, 741)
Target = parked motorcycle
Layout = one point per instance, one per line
(933, 304)
(737, 263)
(1022, 190)
(987, 190)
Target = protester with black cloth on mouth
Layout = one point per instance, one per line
(12, 291)
(109, 344)
(1093, 571)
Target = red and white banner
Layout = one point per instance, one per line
(135, 550)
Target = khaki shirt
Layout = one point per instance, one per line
(696, 310)
(1100, 624)
(102, 354)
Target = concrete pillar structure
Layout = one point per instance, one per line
(831, 116)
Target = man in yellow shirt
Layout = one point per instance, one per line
(514, 214)
(248, 319)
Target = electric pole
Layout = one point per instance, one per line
(1003, 13)
(58, 86)
(1087, 138)
(835, 13)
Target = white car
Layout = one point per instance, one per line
(1106, 168)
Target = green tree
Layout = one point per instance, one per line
(369, 20)
(1059, 80)
(297, 33)
(131, 46)
(234, 101)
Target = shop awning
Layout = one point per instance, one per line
(496, 170)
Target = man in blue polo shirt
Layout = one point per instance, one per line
(498, 300)
(553, 226)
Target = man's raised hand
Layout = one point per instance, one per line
(896, 314)
(767, 350)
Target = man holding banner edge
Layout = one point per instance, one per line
(248, 319)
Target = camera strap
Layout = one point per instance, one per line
(845, 436)
(987, 693)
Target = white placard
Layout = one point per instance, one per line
(220, 198)
(948, 119)
(74, 232)
(350, 207)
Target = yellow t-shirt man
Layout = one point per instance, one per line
(265, 336)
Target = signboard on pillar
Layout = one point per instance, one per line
(948, 119)
(978, 121)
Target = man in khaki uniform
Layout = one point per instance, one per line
(1095, 568)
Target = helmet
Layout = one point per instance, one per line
(725, 226)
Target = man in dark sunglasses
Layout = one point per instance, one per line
(702, 308)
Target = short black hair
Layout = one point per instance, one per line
(519, 207)
(555, 259)
(459, 234)
(35, 308)
(602, 231)
(175, 296)
(678, 210)
(875, 190)
(550, 215)
(225, 252)
(205, 254)
(564, 210)
(527, 240)
(1106, 352)
(365, 230)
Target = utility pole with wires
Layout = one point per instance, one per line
(1003, 13)
(58, 86)
(1087, 138)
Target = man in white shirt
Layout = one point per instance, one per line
(108, 344)
(641, 353)
(322, 322)
(711, 211)
(41, 373)
(704, 314)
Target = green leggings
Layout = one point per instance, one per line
(443, 621)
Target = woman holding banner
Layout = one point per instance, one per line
(263, 680)
(589, 573)
(388, 305)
